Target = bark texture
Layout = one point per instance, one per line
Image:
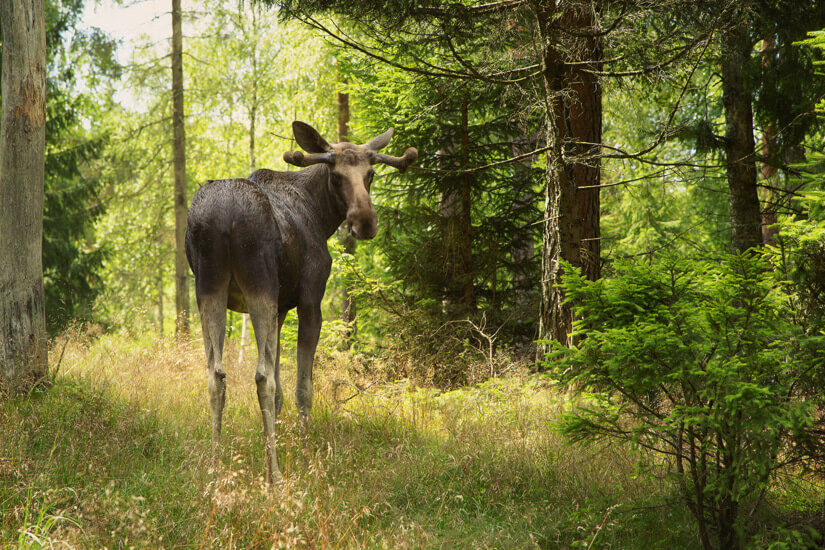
(561, 231)
(771, 196)
(585, 119)
(573, 132)
(179, 154)
(23, 344)
(745, 215)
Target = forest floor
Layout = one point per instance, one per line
(116, 454)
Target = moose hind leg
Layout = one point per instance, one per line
(213, 321)
(264, 320)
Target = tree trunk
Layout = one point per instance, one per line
(23, 345)
(348, 308)
(179, 147)
(253, 117)
(746, 219)
(455, 205)
(568, 215)
(159, 283)
(770, 181)
(771, 196)
(468, 294)
(585, 116)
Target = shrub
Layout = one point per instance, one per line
(798, 260)
(702, 365)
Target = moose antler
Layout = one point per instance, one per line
(298, 158)
(396, 162)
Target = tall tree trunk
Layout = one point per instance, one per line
(23, 345)
(771, 196)
(253, 111)
(179, 146)
(585, 117)
(746, 218)
(468, 294)
(569, 215)
(252, 114)
(770, 181)
(159, 283)
(455, 205)
(348, 307)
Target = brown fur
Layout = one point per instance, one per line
(258, 245)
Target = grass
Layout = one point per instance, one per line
(116, 454)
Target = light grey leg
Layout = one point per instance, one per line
(213, 323)
(270, 396)
(309, 328)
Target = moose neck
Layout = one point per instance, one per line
(331, 210)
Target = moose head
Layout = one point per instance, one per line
(350, 171)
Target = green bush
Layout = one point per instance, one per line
(699, 363)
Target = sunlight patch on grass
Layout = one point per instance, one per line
(120, 446)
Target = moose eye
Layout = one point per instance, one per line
(336, 180)
(368, 179)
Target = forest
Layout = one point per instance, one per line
(593, 314)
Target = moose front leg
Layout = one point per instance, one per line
(309, 328)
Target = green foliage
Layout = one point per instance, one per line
(677, 201)
(71, 262)
(235, 73)
(799, 256)
(783, 76)
(786, 538)
(430, 215)
(40, 532)
(699, 364)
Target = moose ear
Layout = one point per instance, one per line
(379, 142)
(308, 138)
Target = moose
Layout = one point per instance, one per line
(258, 246)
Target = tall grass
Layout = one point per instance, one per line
(116, 454)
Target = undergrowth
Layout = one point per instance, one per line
(116, 454)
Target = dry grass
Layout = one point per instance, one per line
(116, 455)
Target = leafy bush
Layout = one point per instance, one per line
(700, 364)
(798, 259)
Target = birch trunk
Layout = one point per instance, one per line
(179, 153)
